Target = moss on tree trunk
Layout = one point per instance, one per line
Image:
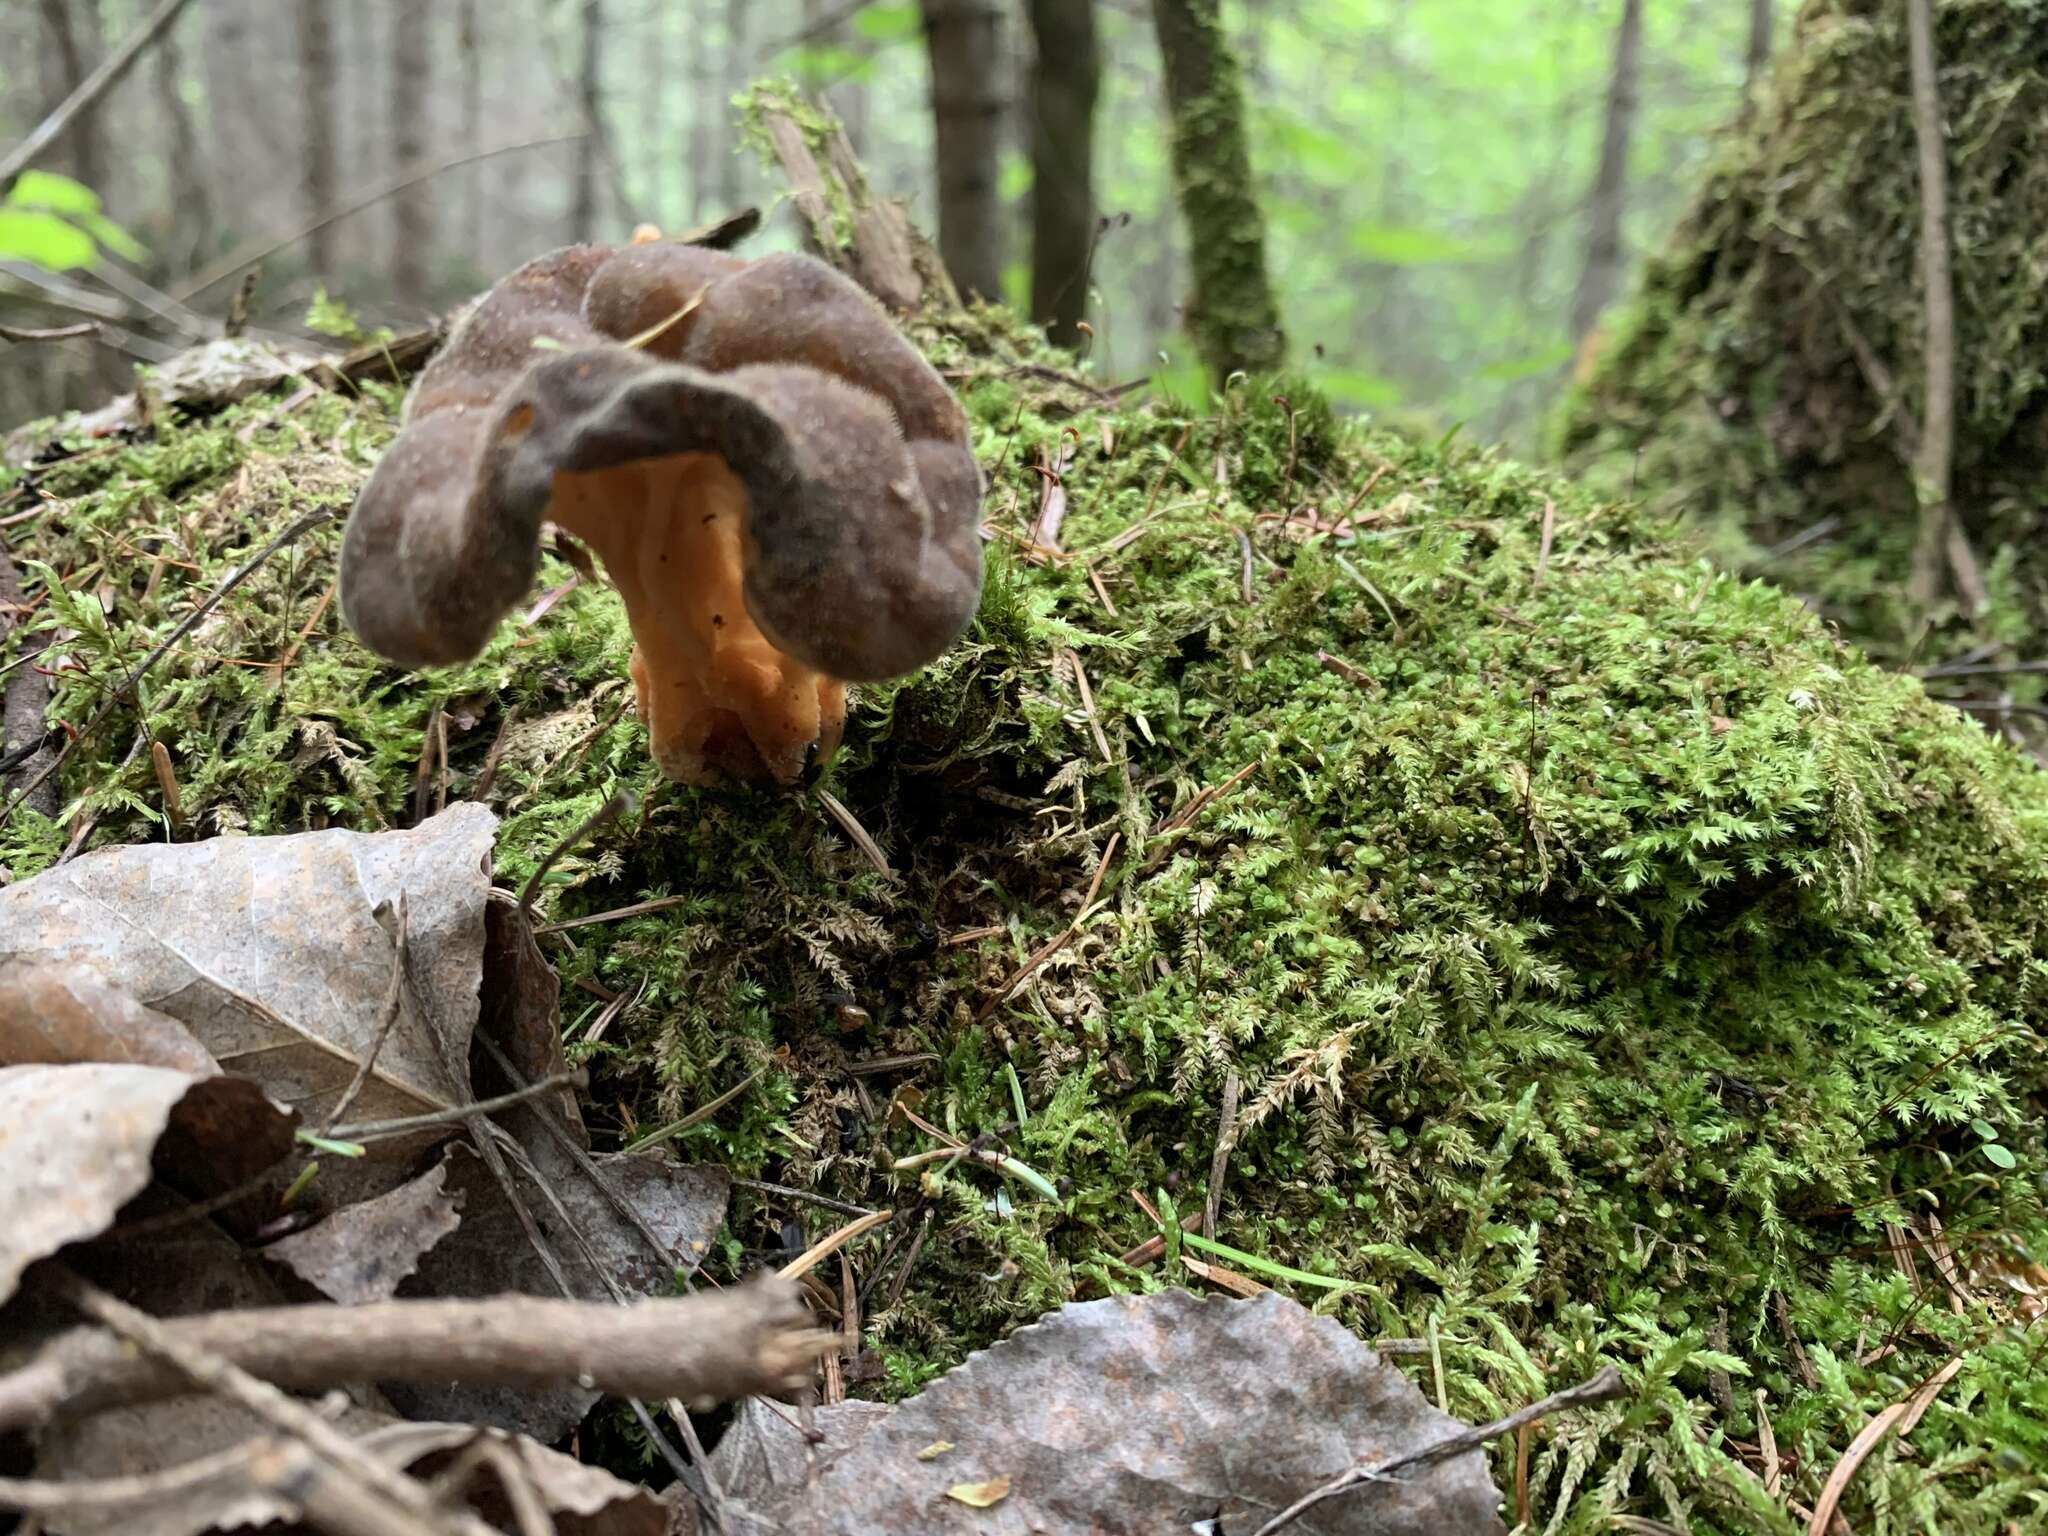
(1231, 312)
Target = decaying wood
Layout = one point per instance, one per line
(878, 248)
(707, 1347)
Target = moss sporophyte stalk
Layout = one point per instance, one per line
(1616, 967)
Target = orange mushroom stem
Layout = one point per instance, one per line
(781, 487)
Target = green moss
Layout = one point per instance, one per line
(1608, 958)
(1763, 379)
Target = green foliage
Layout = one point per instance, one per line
(1611, 961)
(53, 222)
(1768, 377)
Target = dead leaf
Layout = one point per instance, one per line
(52, 1013)
(268, 950)
(981, 1495)
(764, 1454)
(936, 1449)
(78, 1142)
(489, 1254)
(363, 1251)
(583, 1500)
(1192, 1411)
(521, 1012)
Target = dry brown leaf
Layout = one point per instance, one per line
(583, 1500)
(268, 950)
(363, 1251)
(79, 1141)
(52, 1013)
(1191, 1411)
(981, 1495)
(489, 1255)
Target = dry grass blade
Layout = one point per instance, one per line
(850, 825)
(1902, 1415)
(822, 1250)
(1058, 942)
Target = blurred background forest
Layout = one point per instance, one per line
(1453, 188)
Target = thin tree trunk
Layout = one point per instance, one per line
(191, 215)
(735, 75)
(411, 90)
(316, 79)
(1933, 464)
(583, 211)
(1066, 74)
(1600, 278)
(1231, 313)
(470, 43)
(1759, 53)
(68, 52)
(963, 39)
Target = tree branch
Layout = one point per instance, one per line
(711, 1346)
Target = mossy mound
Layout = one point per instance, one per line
(1768, 376)
(1613, 967)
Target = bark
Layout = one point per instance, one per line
(316, 79)
(963, 39)
(1066, 75)
(1600, 278)
(583, 208)
(68, 41)
(412, 83)
(1759, 52)
(1231, 311)
(1933, 464)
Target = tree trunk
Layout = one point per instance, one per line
(735, 77)
(191, 213)
(1066, 73)
(411, 90)
(68, 48)
(583, 208)
(1600, 278)
(964, 41)
(316, 79)
(470, 43)
(1759, 53)
(1933, 464)
(1231, 312)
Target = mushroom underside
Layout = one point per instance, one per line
(718, 699)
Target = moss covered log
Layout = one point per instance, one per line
(1769, 377)
(1614, 966)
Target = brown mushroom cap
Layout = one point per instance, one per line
(780, 485)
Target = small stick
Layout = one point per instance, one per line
(481, 790)
(20, 334)
(384, 1130)
(1095, 579)
(423, 771)
(1603, 1388)
(809, 1197)
(1226, 1138)
(617, 914)
(709, 1346)
(1053, 946)
(1088, 703)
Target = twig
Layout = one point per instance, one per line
(1603, 1388)
(1054, 945)
(261, 246)
(57, 1498)
(713, 1345)
(20, 334)
(807, 1196)
(616, 914)
(179, 631)
(88, 91)
(384, 1130)
(480, 791)
(819, 1251)
(393, 1006)
(598, 819)
(1226, 1138)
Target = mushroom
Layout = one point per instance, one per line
(781, 487)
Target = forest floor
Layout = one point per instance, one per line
(1486, 921)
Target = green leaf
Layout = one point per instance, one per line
(2001, 1155)
(1406, 246)
(59, 194)
(1508, 370)
(44, 240)
(886, 23)
(1985, 1130)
